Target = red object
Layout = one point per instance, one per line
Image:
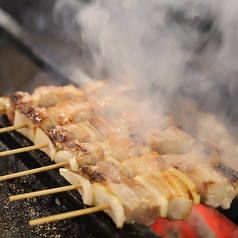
(203, 222)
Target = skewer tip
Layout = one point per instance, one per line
(68, 215)
(12, 128)
(25, 149)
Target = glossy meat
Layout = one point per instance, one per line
(9, 103)
(124, 146)
(79, 154)
(81, 131)
(204, 152)
(74, 110)
(59, 135)
(107, 127)
(218, 186)
(172, 140)
(151, 163)
(105, 171)
(48, 96)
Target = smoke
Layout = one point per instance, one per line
(150, 42)
(170, 49)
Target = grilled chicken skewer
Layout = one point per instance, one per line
(42, 97)
(154, 195)
(149, 164)
(113, 151)
(99, 176)
(73, 110)
(49, 96)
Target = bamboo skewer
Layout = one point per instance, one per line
(44, 192)
(33, 171)
(12, 128)
(20, 150)
(68, 215)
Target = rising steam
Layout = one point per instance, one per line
(171, 49)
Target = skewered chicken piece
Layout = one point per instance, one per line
(150, 163)
(80, 154)
(9, 103)
(42, 97)
(107, 127)
(209, 185)
(123, 146)
(174, 190)
(73, 110)
(204, 152)
(215, 186)
(108, 106)
(111, 170)
(59, 135)
(172, 140)
(218, 185)
(48, 96)
(154, 196)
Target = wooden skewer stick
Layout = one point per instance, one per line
(44, 192)
(12, 128)
(20, 150)
(33, 171)
(68, 215)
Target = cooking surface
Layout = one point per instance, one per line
(14, 216)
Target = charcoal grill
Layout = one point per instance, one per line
(15, 216)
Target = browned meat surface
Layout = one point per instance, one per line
(173, 140)
(86, 153)
(125, 151)
(9, 103)
(38, 116)
(216, 188)
(48, 96)
(82, 131)
(204, 152)
(105, 171)
(48, 118)
(151, 163)
(111, 170)
(112, 106)
(122, 147)
(137, 201)
(74, 110)
(108, 128)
